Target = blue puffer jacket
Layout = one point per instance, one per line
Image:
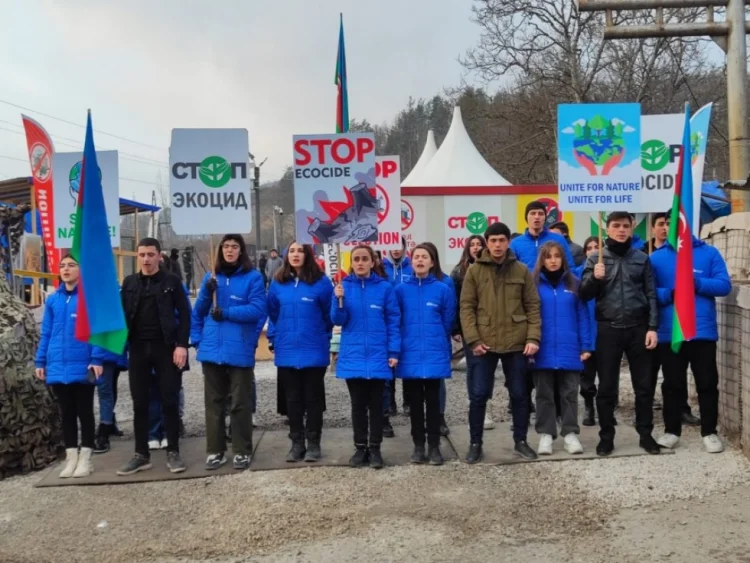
(300, 323)
(566, 328)
(370, 323)
(428, 311)
(231, 341)
(639, 244)
(711, 281)
(66, 359)
(399, 272)
(590, 307)
(526, 247)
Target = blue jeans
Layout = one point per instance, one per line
(106, 392)
(481, 381)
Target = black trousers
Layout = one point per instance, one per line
(305, 394)
(656, 365)
(588, 378)
(700, 355)
(77, 404)
(424, 395)
(367, 410)
(611, 344)
(146, 357)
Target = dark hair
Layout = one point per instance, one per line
(656, 216)
(514, 235)
(243, 261)
(561, 226)
(174, 253)
(535, 205)
(497, 229)
(148, 241)
(69, 255)
(466, 259)
(567, 278)
(433, 252)
(309, 273)
(378, 267)
(166, 263)
(588, 240)
(369, 250)
(619, 216)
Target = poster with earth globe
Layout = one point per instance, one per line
(66, 168)
(599, 157)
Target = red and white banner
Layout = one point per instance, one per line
(40, 157)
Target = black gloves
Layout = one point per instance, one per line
(217, 314)
(211, 286)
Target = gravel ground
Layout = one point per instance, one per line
(561, 511)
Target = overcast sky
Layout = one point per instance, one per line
(145, 67)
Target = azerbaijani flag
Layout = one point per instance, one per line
(342, 99)
(681, 239)
(100, 320)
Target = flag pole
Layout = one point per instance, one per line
(601, 249)
(338, 270)
(211, 262)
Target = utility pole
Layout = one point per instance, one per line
(256, 193)
(729, 35)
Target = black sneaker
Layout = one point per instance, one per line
(589, 415)
(524, 450)
(605, 447)
(360, 458)
(690, 419)
(376, 460)
(214, 461)
(475, 453)
(137, 463)
(434, 456)
(387, 428)
(313, 452)
(649, 444)
(241, 461)
(101, 444)
(444, 430)
(417, 456)
(175, 463)
(297, 453)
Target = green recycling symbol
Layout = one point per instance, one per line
(654, 155)
(476, 223)
(215, 171)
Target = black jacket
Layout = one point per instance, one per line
(579, 255)
(627, 296)
(171, 300)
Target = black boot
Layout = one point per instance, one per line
(361, 456)
(417, 455)
(313, 447)
(376, 460)
(297, 453)
(387, 428)
(101, 443)
(434, 456)
(589, 416)
(444, 430)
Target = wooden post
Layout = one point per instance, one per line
(211, 261)
(649, 234)
(338, 269)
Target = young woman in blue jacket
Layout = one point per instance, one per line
(428, 311)
(67, 366)
(231, 301)
(565, 345)
(365, 308)
(299, 309)
(588, 376)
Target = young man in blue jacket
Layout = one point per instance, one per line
(711, 280)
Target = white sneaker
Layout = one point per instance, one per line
(84, 468)
(669, 441)
(489, 424)
(545, 444)
(713, 444)
(573, 444)
(71, 460)
(154, 445)
(163, 444)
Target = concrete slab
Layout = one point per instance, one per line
(498, 444)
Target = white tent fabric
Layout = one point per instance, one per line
(457, 162)
(429, 150)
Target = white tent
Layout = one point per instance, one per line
(429, 150)
(457, 163)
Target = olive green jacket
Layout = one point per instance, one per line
(500, 305)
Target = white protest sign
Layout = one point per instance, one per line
(466, 216)
(209, 183)
(66, 167)
(335, 188)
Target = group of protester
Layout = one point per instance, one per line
(529, 302)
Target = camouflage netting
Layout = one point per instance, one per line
(29, 416)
